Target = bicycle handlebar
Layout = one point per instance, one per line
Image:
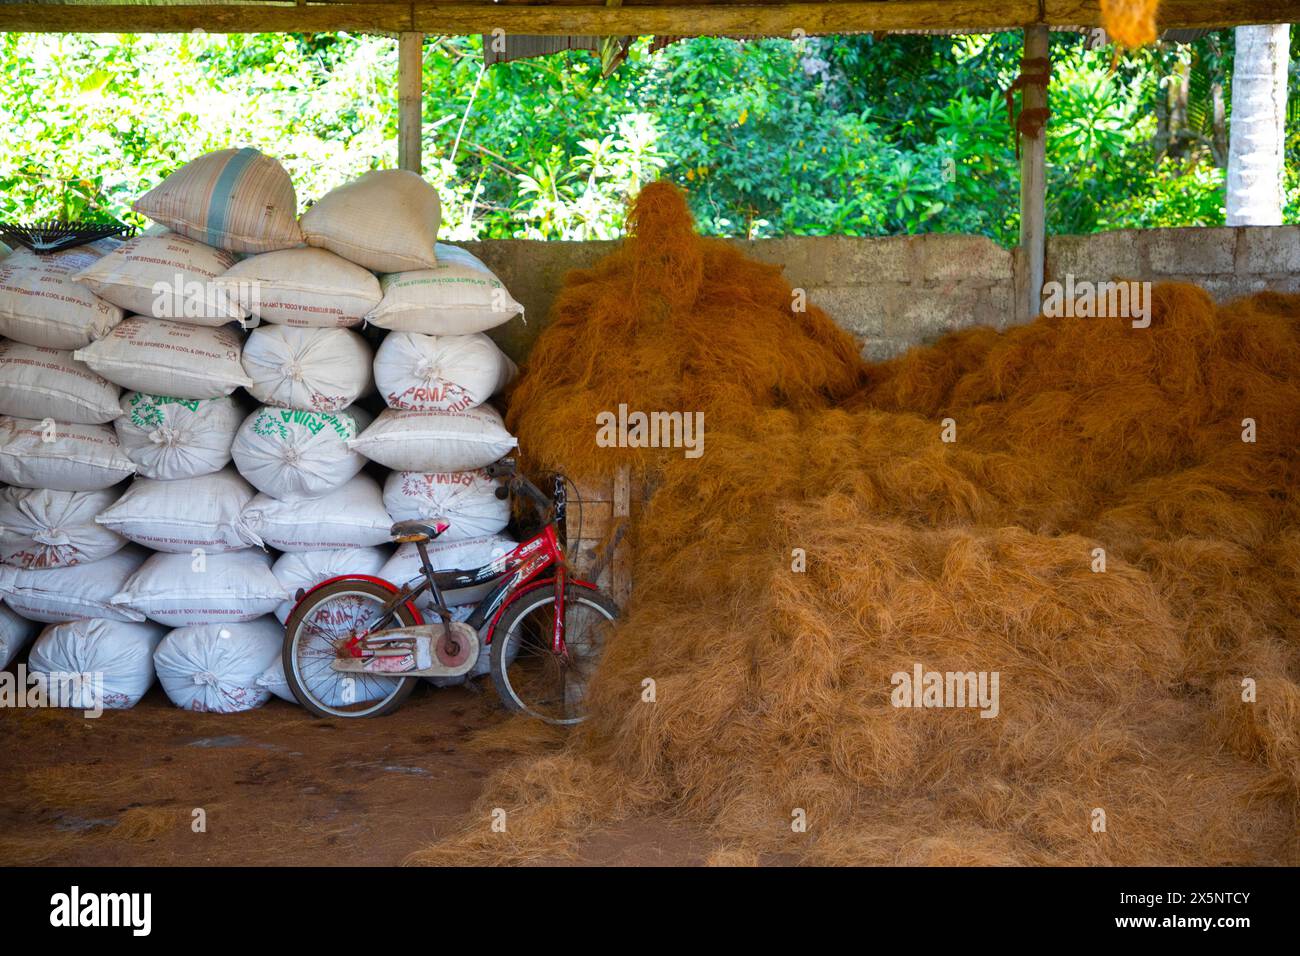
(520, 483)
(505, 468)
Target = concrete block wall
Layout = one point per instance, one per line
(534, 273)
(1227, 261)
(896, 292)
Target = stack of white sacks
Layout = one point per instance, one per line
(214, 362)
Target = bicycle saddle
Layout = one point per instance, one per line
(417, 531)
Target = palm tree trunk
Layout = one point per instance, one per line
(1256, 126)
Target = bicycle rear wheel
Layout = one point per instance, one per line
(529, 677)
(313, 634)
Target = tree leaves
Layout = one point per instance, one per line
(850, 135)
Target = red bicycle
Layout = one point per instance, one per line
(355, 645)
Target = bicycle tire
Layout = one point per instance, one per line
(503, 633)
(293, 625)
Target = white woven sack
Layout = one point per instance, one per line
(41, 528)
(303, 287)
(40, 383)
(321, 370)
(466, 500)
(184, 514)
(458, 296)
(171, 438)
(60, 456)
(440, 372)
(15, 633)
(66, 594)
(117, 656)
(182, 589)
(273, 680)
(352, 516)
(214, 667)
(41, 303)
(235, 199)
(436, 441)
(287, 453)
(167, 277)
(162, 357)
(386, 221)
(306, 569)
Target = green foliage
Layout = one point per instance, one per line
(848, 135)
(92, 122)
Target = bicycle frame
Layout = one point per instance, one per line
(393, 639)
(516, 573)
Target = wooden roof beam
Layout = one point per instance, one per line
(1181, 14)
(460, 18)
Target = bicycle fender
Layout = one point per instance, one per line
(386, 585)
(490, 628)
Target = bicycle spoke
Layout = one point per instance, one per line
(549, 685)
(321, 634)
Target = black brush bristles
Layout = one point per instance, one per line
(46, 237)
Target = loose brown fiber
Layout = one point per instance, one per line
(1124, 734)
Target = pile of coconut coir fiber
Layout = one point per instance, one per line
(1112, 527)
(1130, 22)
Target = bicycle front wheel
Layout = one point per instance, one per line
(313, 637)
(529, 676)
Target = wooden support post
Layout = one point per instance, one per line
(620, 573)
(410, 100)
(1033, 174)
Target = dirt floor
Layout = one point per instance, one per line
(277, 787)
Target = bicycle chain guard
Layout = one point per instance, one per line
(427, 650)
